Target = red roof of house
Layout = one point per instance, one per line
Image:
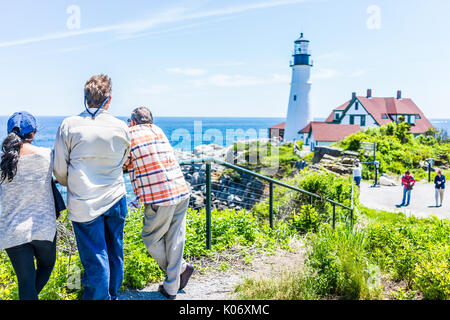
(341, 107)
(278, 126)
(323, 131)
(377, 107)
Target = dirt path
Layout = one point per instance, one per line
(422, 200)
(218, 285)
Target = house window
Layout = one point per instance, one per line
(418, 116)
(363, 121)
(295, 98)
(337, 116)
(352, 119)
(356, 105)
(412, 119)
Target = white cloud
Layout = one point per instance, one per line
(169, 16)
(227, 80)
(282, 78)
(357, 73)
(190, 72)
(322, 73)
(155, 89)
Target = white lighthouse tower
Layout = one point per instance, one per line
(299, 108)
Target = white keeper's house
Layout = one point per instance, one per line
(358, 113)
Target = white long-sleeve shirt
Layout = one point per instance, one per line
(357, 170)
(89, 155)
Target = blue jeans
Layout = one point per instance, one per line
(406, 196)
(357, 180)
(100, 246)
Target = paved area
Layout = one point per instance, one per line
(422, 200)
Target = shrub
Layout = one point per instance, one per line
(413, 250)
(397, 149)
(305, 220)
(229, 228)
(431, 273)
(341, 266)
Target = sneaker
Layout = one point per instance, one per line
(184, 277)
(165, 294)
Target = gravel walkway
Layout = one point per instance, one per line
(219, 285)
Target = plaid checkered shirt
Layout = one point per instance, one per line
(154, 171)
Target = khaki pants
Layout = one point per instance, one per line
(439, 194)
(164, 233)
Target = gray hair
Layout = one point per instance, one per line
(142, 115)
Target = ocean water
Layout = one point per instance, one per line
(441, 124)
(186, 132)
(183, 132)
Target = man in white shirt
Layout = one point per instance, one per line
(357, 172)
(90, 150)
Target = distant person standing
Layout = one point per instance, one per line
(90, 150)
(439, 183)
(408, 183)
(27, 218)
(357, 172)
(159, 182)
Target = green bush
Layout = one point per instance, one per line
(431, 273)
(397, 149)
(305, 220)
(229, 228)
(340, 265)
(413, 250)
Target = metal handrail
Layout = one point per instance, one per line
(257, 175)
(271, 182)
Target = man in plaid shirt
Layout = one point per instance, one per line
(159, 183)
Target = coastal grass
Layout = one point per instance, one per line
(259, 157)
(411, 254)
(230, 229)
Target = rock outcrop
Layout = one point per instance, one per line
(240, 191)
(334, 159)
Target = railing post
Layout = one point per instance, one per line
(351, 219)
(334, 215)
(271, 204)
(311, 200)
(208, 206)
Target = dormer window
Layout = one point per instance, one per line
(337, 116)
(418, 116)
(356, 105)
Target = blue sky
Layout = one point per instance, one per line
(221, 58)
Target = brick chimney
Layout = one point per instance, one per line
(353, 95)
(369, 93)
(399, 94)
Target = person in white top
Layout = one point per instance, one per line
(357, 172)
(27, 218)
(90, 150)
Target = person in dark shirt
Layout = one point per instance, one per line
(439, 184)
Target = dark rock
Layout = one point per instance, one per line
(319, 152)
